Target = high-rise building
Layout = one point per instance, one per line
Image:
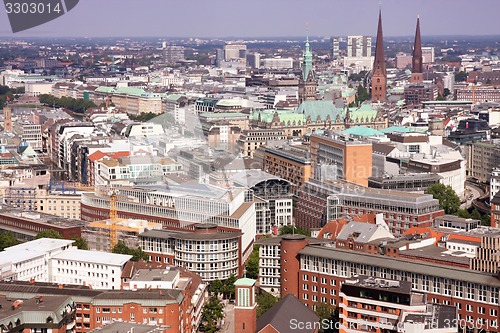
(235, 52)
(173, 53)
(253, 60)
(379, 76)
(335, 42)
(427, 54)
(359, 46)
(416, 64)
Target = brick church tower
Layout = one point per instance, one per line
(245, 309)
(379, 76)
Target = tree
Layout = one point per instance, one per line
(288, 229)
(461, 76)
(49, 233)
(446, 92)
(7, 239)
(448, 199)
(362, 95)
(228, 289)
(328, 317)
(216, 287)
(80, 243)
(252, 266)
(264, 302)
(475, 214)
(486, 220)
(211, 314)
(137, 254)
(463, 213)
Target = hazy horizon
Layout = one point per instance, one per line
(266, 19)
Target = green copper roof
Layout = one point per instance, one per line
(245, 282)
(307, 65)
(364, 111)
(363, 131)
(400, 129)
(323, 109)
(174, 97)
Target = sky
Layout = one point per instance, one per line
(266, 18)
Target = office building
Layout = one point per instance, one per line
(359, 46)
(234, 52)
(173, 54)
(348, 159)
(335, 43)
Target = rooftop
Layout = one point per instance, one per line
(96, 257)
(448, 272)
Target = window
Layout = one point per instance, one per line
(493, 312)
(469, 308)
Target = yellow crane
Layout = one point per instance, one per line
(113, 219)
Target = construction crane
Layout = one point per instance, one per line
(113, 219)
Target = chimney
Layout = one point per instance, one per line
(60, 286)
(32, 281)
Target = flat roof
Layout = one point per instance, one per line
(155, 275)
(95, 257)
(167, 234)
(448, 272)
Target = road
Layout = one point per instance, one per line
(228, 326)
(471, 193)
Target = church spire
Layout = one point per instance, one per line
(417, 76)
(379, 76)
(307, 65)
(417, 50)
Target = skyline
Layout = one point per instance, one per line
(92, 18)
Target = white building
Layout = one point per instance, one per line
(144, 130)
(37, 88)
(277, 63)
(494, 183)
(100, 270)
(427, 54)
(30, 260)
(359, 46)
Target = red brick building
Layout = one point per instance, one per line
(316, 273)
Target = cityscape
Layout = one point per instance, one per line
(344, 177)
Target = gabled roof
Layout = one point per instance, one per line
(322, 108)
(280, 315)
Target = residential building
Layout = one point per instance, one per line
(234, 52)
(359, 46)
(206, 251)
(252, 139)
(52, 313)
(288, 162)
(482, 159)
(375, 304)
(318, 273)
(99, 270)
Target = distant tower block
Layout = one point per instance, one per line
(7, 113)
(245, 309)
(417, 75)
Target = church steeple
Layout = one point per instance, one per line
(308, 87)
(308, 61)
(379, 76)
(417, 73)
